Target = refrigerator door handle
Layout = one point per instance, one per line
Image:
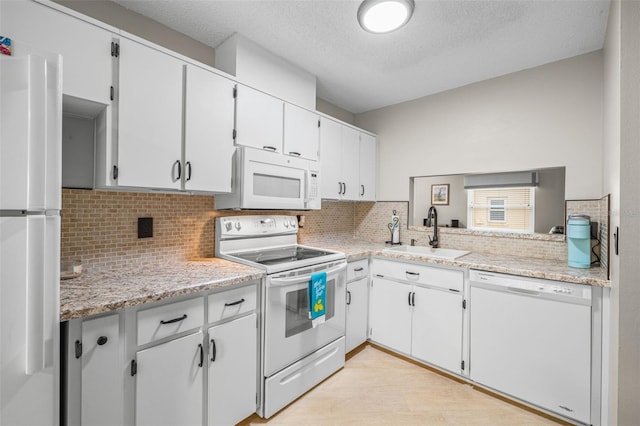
(35, 305)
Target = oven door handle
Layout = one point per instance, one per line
(302, 278)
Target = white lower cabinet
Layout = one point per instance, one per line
(436, 330)
(92, 391)
(357, 313)
(418, 311)
(232, 371)
(169, 383)
(357, 309)
(102, 382)
(391, 314)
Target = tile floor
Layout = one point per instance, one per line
(377, 388)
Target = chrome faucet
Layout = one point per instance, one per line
(433, 214)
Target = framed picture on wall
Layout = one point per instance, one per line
(440, 194)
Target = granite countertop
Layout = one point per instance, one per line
(515, 265)
(98, 292)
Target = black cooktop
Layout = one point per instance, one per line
(280, 255)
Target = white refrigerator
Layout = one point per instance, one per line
(30, 203)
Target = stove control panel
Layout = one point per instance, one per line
(232, 227)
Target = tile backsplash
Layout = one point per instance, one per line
(100, 228)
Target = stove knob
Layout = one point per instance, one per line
(228, 225)
(286, 224)
(238, 226)
(293, 223)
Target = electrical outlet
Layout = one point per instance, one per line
(145, 227)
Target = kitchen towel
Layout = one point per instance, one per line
(317, 298)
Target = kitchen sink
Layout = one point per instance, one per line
(436, 253)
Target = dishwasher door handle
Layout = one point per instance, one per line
(523, 291)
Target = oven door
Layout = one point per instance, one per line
(289, 334)
(273, 181)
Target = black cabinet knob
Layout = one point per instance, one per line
(102, 340)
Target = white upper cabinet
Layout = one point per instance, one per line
(330, 158)
(301, 132)
(259, 119)
(348, 158)
(149, 118)
(208, 131)
(85, 48)
(368, 148)
(350, 163)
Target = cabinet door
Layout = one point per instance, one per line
(350, 163)
(169, 383)
(357, 312)
(301, 132)
(208, 131)
(102, 378)
(149, 118)
(330, 158)
(259, 119)
(232, 371)
(368, 150)
(390, 315)
(85, 48)
(437, 328)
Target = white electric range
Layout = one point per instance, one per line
(295, 356)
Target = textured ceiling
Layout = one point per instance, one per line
(447, 44)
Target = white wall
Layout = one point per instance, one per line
(546, 116)
(335, 111)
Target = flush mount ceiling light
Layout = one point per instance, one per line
(383, 16)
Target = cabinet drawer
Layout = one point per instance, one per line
(231, 303)
(357, 270)
(167, 320)
(419, 274)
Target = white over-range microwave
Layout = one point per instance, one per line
(264, 180)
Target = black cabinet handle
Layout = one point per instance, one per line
(171, 321)
(417, 274)
(409, 299)
(102, 340)
(213, 350)
(188, 167)
(339, 188)
(348, 297)
(237, 302)
(360, 269)
(269, 148)
(78, 349)
(344, 188)
(297, 154)
(201, 363)
(179, 169)
(413, 299)
(115, 172)
(362, 193)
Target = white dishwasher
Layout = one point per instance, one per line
(531, 339)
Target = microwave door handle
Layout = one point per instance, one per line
(302, 278)
(307, 187)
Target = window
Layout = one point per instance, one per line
(501, 209)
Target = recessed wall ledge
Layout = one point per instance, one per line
(560, 238)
